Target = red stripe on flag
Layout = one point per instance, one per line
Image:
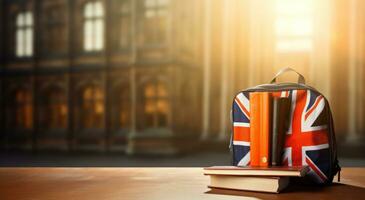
(241, 134)
(313, 107)
(315, 169)
(242, 107)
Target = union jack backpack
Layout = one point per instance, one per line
(310, 139)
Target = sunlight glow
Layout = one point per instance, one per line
(294, 26)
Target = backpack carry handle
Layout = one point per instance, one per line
(301, 79)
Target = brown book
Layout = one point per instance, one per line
(260, 128)
(257, 171)
(249, 183)
(280, 125)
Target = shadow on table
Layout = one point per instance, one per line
(298, 192)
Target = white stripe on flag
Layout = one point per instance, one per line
(244, 101)
(241, 143)
(315, 147)
(245, 160)
(241, 124)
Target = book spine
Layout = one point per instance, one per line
(255, 126)
(260, 128)
(275, 114)
(265, 135)
(280, 125)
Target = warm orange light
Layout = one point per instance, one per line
(294, 25)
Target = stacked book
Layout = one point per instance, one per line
(269, 123)
(261, 179)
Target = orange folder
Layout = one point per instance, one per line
(260, 127)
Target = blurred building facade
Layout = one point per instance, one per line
(157, 75)
(97, 74)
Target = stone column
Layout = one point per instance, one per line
(206, 68)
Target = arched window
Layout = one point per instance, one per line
(155, 21)
(122, 105)
(93, 26)
(54, 115)
(21, 109)
(123, 19)
(24, 34)
(92, 107)
(156, 106)
(54, 38)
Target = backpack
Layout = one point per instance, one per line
(310, 138)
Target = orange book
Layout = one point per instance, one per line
(260, 127)
(255, 101)
(265, 129)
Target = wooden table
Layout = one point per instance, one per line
(152, 183)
